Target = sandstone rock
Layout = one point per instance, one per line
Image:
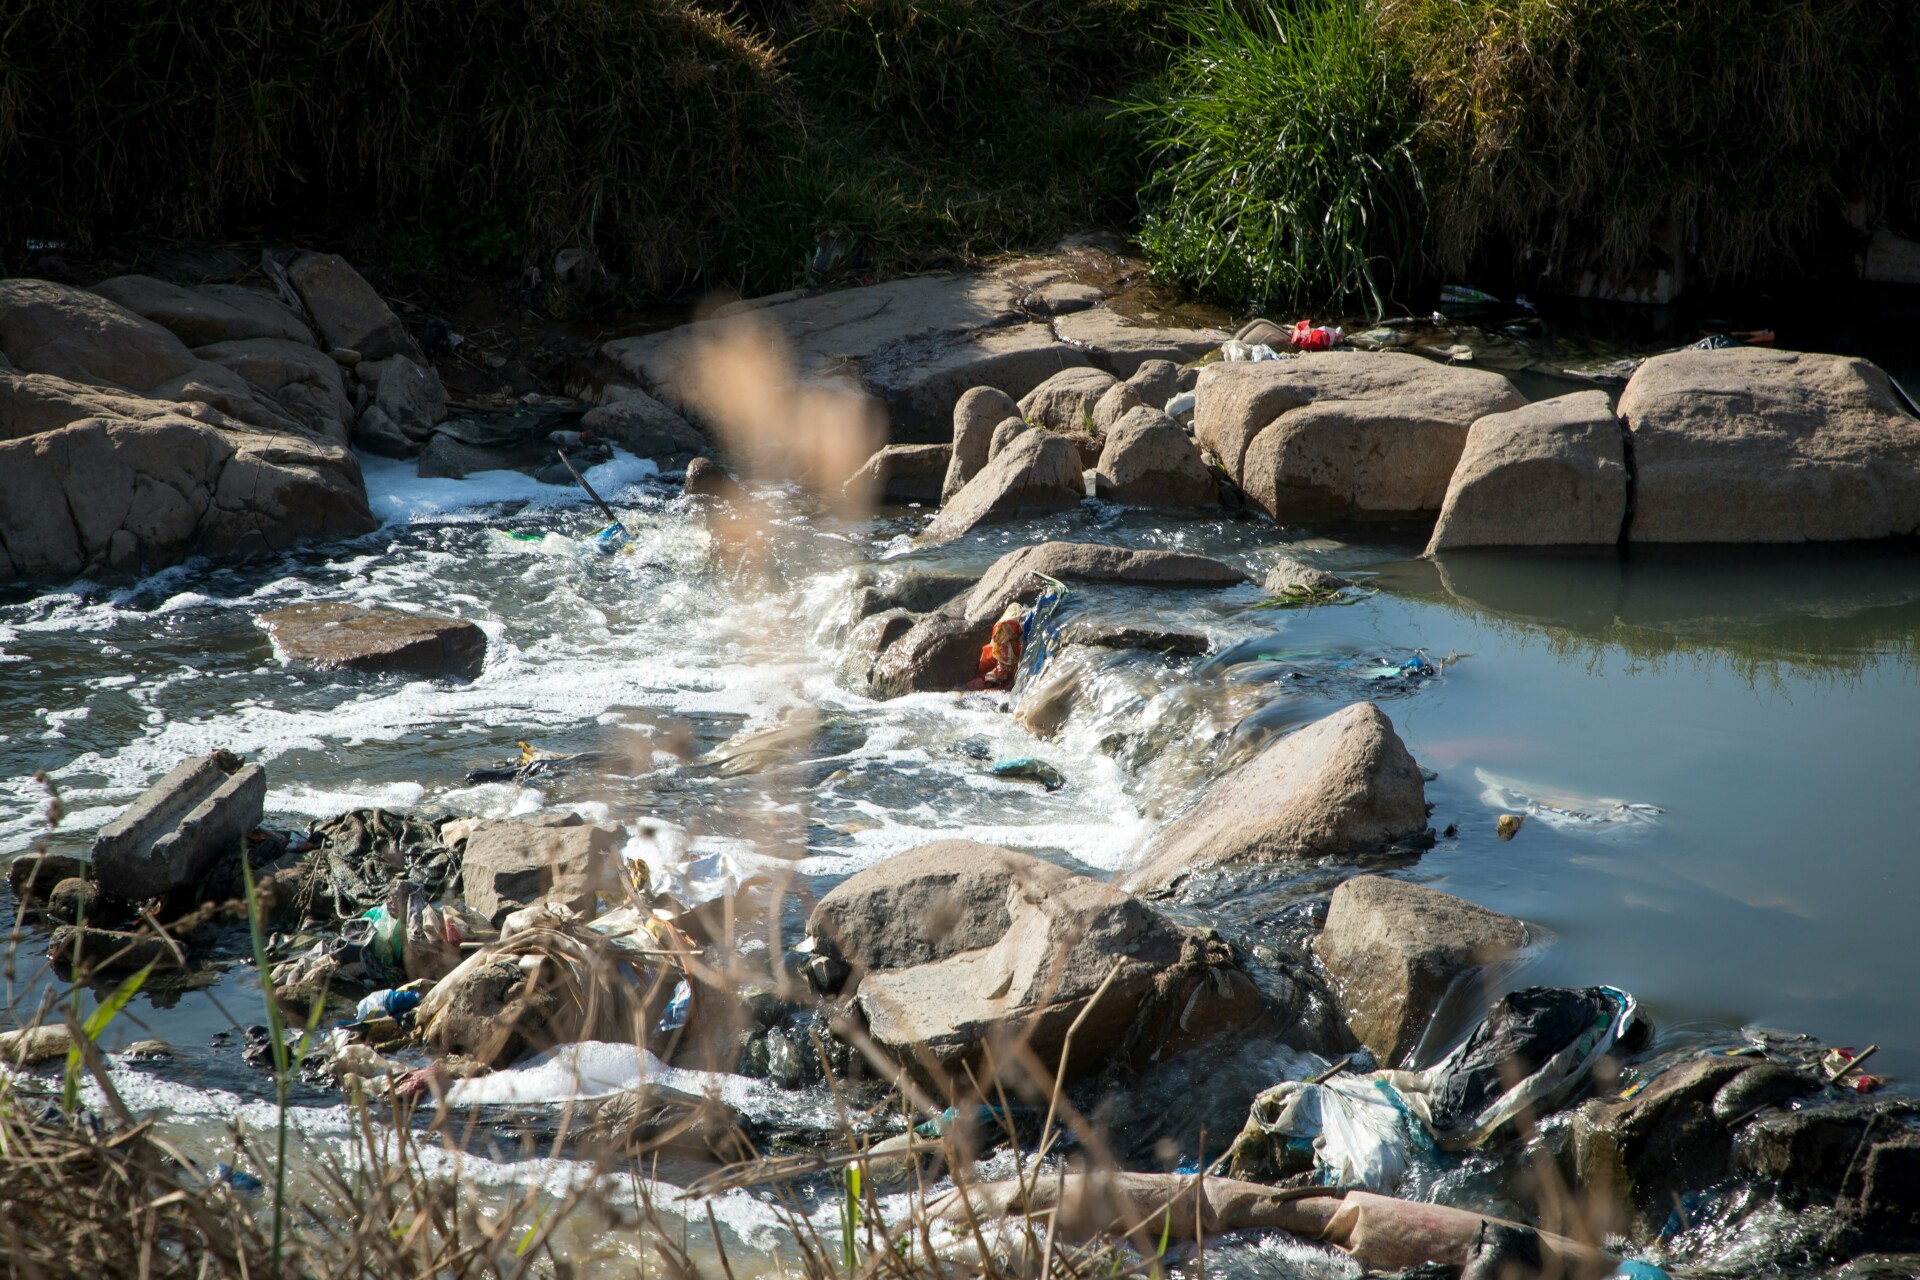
(1148, 461)
(975, 415)
(916, 344)
(336, 636)
(902, 473)
(919, 590)
(212, 384)
(706, 479)
(1011, 576)
(294, 376)
(209, 314)
(1335, 434)
(1548, 474)
(642, 425)
(446, 456)
(1292, 576)
(82, 337)
(1395, 950)
(509, 865)
(1038, 474)
(1640, 1154)
(1005, 434)
(1156, 382)
(939, 652)
(409, 396)
(1065, 402)
(346, 310)
(1120, 345)
(1755, 445)
(1114, 404)
(928, 903)
(1009, 959)
(179, 828)
(1086, 446)
(874, 635)
(113, 494)
(1345, 784)
(1063, 297)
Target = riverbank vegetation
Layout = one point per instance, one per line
(1271, 151)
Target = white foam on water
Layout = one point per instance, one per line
(398, 494)
(317, 802)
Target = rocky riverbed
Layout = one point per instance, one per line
(1249, 789)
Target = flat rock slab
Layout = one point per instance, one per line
(1753, 445)
(1550, 474)
(1345, 784)
(345, 637)
(1395, 951)
(179, 828)
(1012, 576)
(1121, 343)
(509, 865)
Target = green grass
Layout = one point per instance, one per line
(1284, 174)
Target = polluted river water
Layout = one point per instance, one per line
(1712, 750)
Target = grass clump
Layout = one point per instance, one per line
(1285, 174)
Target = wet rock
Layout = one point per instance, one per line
(920, 590)
(73, 900)
(1046, 704)
(150, 1051)
(1643, 1153)
(642, 425)
(1345, 784)
(1293, 577)
(30, 1045)
(404, 397)
(928, 903)
(294, 376)
(1156, 382)
(1755, 445)
(1395, 952)
(447, 456)
(32, 876)
(1149, 461)
(975, 415)
(706, 479)
(1113, 405)
(183, 825)
(1509, 825)
(902, 473)
(1005, 434)
(939, 652)
(1020, 964)
(1012, 577)
(1121, 345)
(1343, 434)
(871, 639)
(345, 309)
(509, 865)
(1065, 402)
(1122, 635)
(209, 313)
(916, 344)
(1038, 474)
(1765, 1085)
(336, 636)
(109, 950)
(1551, 473)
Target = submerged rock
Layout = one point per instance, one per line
(1038, 474)
(1011, 578)
(1333, 434)
(1551, 473)
(1396, 952)
(1293, 577)
(334, 636)
(1754, 445)
(1345, 784)
(175, 833)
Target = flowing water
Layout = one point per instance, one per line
(1713, 750)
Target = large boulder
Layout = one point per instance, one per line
(1552, 473)
(995, 949)
(179, 828)
(1753, 445)
(902, 473)
(333, 636)
(406, 399)
(1395, 951)
(937, 653)
(131, 495)
(1065, 402)
(82, 337)
(642, 425)
(1148, 461)
(508, 865)
(1345, 784)
(301, 380)
(208, 314)
(1038, 474)
(1343, 434)
(975, 415)
(346, 311)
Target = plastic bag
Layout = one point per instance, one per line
(1357, 1125)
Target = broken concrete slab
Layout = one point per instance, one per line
(185, 823)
